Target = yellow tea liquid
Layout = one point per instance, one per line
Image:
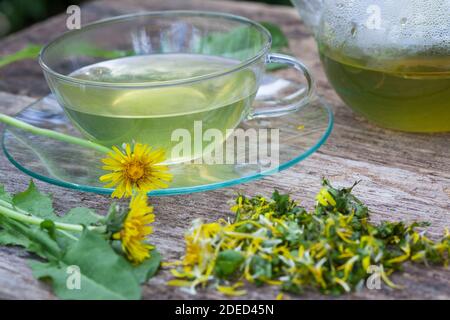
(150, 115)
(411, 94)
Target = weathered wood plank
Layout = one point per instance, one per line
(404, 176)
(392, 193)
(17, 281)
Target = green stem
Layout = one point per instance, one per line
(10, 206)
(29, 52)
(68, 235)
(26, 218)
(52, 134)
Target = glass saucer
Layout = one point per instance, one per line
(300, 134)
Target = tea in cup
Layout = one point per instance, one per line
(142, 77)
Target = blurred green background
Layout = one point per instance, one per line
(18, 14)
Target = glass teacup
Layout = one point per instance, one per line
(142, 77)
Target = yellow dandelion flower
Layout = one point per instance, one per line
(136, 229)
(325, 198)
(179, 283)
(199, 249)
(136, 168)
(231, 290)
(193, 251)
(279, 296)
(343, 284)
(386, 279)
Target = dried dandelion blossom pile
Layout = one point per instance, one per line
(277, 242)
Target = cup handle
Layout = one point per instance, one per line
(296, 100)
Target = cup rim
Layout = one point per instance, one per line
(263, 51)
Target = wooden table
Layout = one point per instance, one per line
(404, 176)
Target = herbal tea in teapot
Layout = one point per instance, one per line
(388, 60)
(411, 94)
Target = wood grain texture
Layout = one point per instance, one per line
(404, 176)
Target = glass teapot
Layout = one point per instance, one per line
(389, 60)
